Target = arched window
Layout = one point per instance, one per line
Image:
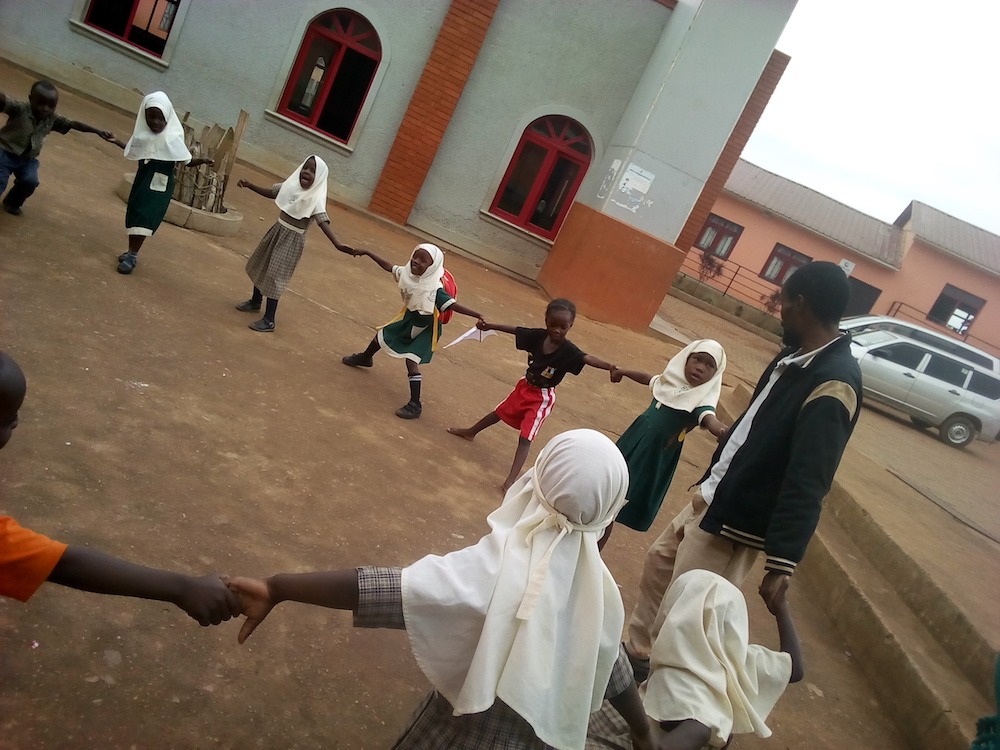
(332, 73)
(546, 171)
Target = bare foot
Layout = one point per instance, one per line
(463, 433)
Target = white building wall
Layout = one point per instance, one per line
(233, 54)
(582, 59)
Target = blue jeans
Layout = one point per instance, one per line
(25, 171)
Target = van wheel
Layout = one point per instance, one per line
(957, 431)
(920, 422)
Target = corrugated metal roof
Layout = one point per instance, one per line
(817, 212)
(954, 236)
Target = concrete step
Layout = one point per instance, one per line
(919, 684)
(968, 644)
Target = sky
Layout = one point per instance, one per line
(888, 101)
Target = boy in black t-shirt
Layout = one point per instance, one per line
(550, 356)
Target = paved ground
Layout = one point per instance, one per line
(158, 427)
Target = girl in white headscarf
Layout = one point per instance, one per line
(414, 333)
(302, 200)
(518, 634)
(685, 395)
(707, 682)
(157, 144)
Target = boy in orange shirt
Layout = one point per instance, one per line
(28, 559)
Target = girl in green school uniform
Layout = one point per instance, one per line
(685, 396)
(413, 334)
(157, 144)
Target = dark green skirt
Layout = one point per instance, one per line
(652, 448)
(150, 196)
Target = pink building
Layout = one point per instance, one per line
(927, 267)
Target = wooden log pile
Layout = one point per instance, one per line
(204, 187)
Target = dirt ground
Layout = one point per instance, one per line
(158, 427)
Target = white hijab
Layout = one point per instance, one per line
(167, 145)
(419, 293)
(702, 665)
(299, 203)
(530, 615)
(672, 389)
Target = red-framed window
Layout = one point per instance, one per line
(548, 166)
(718, 236)
(332, 74)
(782, 263)
(145, 24)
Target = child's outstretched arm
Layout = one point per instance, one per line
(600, 364)
(205, 598)
(482, 325)
(336, 589)
(715, 425)
(199, 161)
(328, 231)
(268, 192)
(463, 310)
(617, 374)
(85, 128)
(788, 636)
(379, 260)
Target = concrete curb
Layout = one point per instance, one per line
(178, 214)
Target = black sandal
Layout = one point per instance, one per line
(358, 360)
(248, 306)
(262, 326)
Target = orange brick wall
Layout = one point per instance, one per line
(430, 110)
(754, 108)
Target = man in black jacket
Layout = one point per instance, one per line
(765, 487)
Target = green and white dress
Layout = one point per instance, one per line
(149, 198)
(413, 335)
(652, 448)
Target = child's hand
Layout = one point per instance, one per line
(208, 600)
(106, 135)
(257, 602)
(772, 590)
(616, 374)
(482, 325)
(243, 184)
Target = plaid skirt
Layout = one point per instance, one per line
(272, 264)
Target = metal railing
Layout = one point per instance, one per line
(732, 280)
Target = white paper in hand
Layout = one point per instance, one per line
(473, 334)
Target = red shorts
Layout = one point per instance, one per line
(526, 408)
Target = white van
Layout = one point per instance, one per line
(935, 387)
(942, 341)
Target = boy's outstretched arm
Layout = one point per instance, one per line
(328, 231)
(715, 425)
(788, 636)
(204, 598)
(336, 589)
(85, 128)
(600, 364)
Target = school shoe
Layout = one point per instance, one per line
(12, 210)
(262, 326)
(248, 306)
(410, 410)
(126, 262)
(359, 360)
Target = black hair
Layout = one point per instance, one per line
(559, 303)
(43, 85)
(12, 381)
(824, 287)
